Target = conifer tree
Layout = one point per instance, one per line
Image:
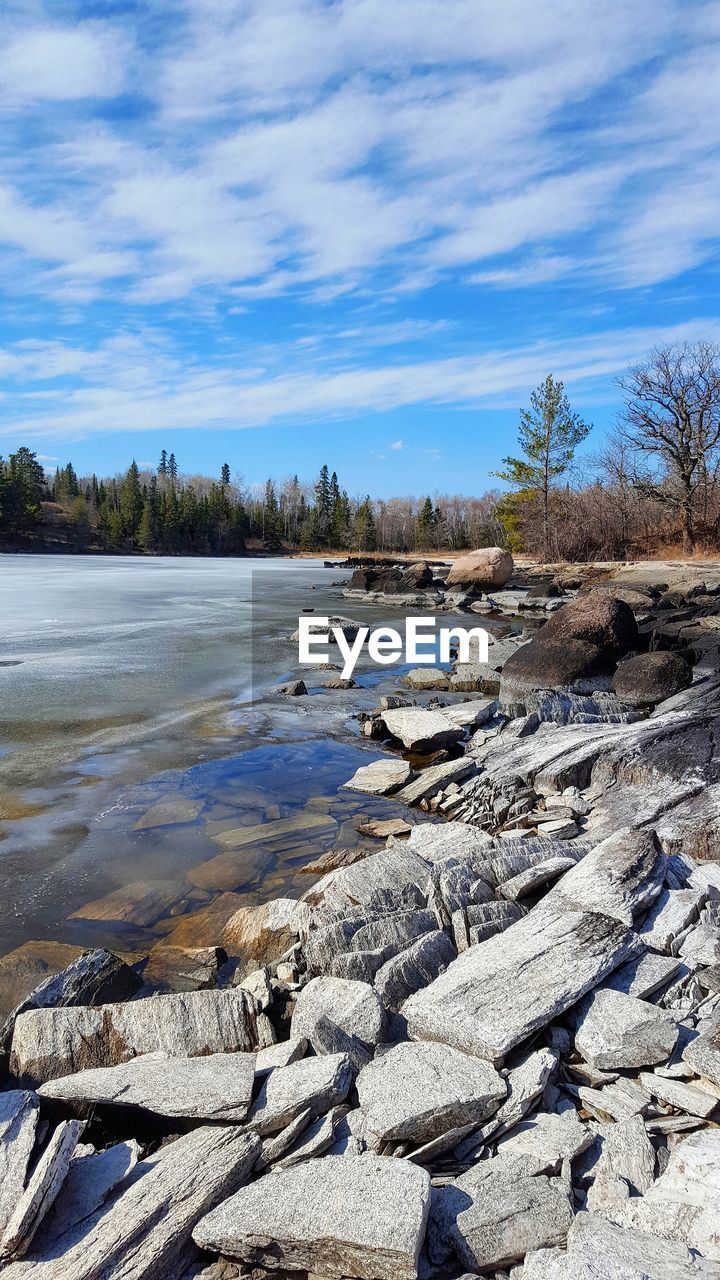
(225, 474)
(549, 434)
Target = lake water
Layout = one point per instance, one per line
(126, 682)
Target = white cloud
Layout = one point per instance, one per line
(138, 383)
(60, 64)
(397, 444)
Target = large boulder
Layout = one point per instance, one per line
(599, 619)
(548, 663)
(648, 678)
(488, 567)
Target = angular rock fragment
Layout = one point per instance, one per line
(42, 1187)
(381, 777)
(644, 975)
(90, 1180)
(218, 1086)
(313, 1085)
(95, 977)
(18, 1121)
(146, 1231)
(439, 841)
(392, 879)
(495, 1213)
(596, 1247)
(263, 934)
(519, 886)
(415, 1091)
(703, 1055)
(419, 964)
(420, 730)
(184, 968)
(545, 1139)
(683, 1097)
(434, 779)
(621, 877)
(353, 1008)
(619, 1100)
(362, 1216)
(619, 1031)
(673, 911)
(545, 962)
(48, 1043)
(626, 1152)
(281, 1054)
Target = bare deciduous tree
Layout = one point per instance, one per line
(672, 416)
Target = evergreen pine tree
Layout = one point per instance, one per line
(225, 474)
(163, 464)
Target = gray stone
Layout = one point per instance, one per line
(90, 1180)
(703, 1055)
(216, 1087)
(48, 1043)
(40, 1191)
(420, 730)
(434, 779)
(546, 1139)
(621, 877)
(547, 960)
(644, 975)
(354, 1008)
(525, 1083)
(673, 911)
(18, 1121)
(281, 1054)
(619, 1100)
(494, 1214)
(380, 777)
(626, 1152)
(146, 1231)
(620, 1031)
(95, 977)
(599, 1249)
(525, 882)
(390, 879)
(441, 841)
(415, 1091)
(392, 933)
(313, 1085)
(681, 1096)
(362, 1216)
(316, 1139)
(419, 964)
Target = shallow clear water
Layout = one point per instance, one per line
(127, 681)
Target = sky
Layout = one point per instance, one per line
(279, 233)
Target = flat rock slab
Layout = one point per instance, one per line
(545, 1139)
(421, 730)
(415, 967)
(380, 777)
(93, 977)
(494, 1214)
(353, 1008)
(48, 1043)
(620, 1031)
(312, 1085)
(596, 1247)
(497, 993)
(683, 1097)
(440, 841)
(621, 877)
(415, 1091)
(18, 1121)
(216, 1087)
(146, 1231)
(435, 779)
(360, 1216)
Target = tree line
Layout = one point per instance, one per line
(655, 482)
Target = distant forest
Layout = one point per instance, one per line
(654, 488)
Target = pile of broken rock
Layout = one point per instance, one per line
(466, 1085)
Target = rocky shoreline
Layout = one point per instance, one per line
(491, 1047)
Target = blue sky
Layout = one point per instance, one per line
(282, 232)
